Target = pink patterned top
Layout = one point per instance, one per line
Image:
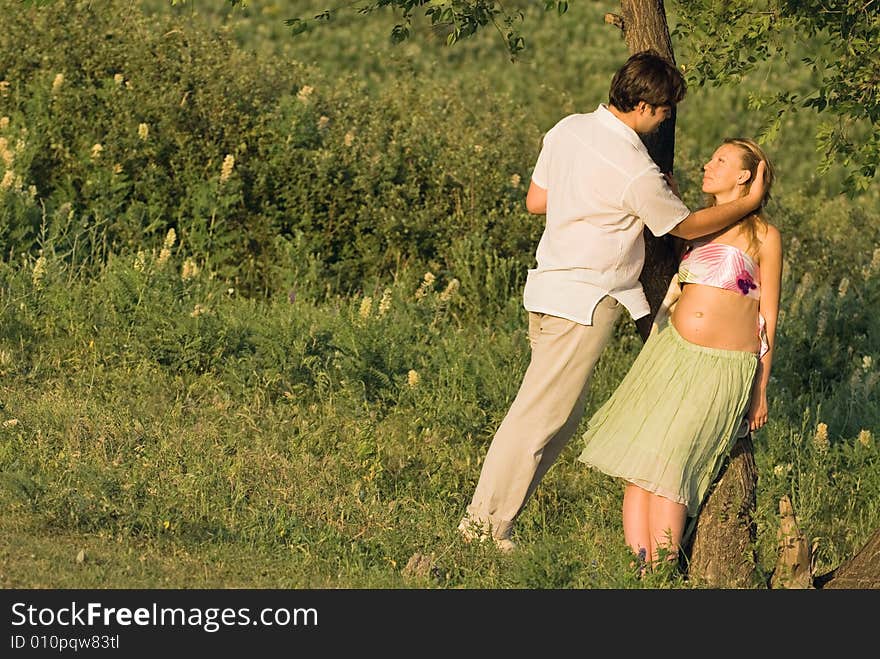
(727, 267)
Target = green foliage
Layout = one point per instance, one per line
(721, 41)
(725, 40)
(184, 130)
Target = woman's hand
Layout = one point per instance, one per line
(758, 411)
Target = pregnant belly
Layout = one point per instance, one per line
(717, 318)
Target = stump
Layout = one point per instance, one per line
(793, 561)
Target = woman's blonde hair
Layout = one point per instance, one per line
(752, 154)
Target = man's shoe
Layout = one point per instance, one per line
(471, 530)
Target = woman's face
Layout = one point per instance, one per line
(724, 172)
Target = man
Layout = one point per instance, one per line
(599, 188)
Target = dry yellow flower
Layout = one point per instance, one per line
(412, 378)
(226, 168)
(366, 307)
(820, 439)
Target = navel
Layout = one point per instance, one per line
(698, 314)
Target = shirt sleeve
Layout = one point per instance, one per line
(650, 198)
(541, 173)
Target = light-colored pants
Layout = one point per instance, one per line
(543, 417)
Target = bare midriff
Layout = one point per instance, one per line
(717, 318)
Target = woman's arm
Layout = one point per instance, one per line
(770, 262)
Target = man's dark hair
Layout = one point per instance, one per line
(646, 77)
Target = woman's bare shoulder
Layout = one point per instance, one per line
(770, 240)
(769, 233)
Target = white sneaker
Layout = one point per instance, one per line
(471, 530)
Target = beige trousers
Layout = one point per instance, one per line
(543, 417)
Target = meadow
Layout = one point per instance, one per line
(260, 303)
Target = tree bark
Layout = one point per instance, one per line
(722, 553)
(725, 529)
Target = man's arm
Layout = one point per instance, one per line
(714, 218)
(536, 199)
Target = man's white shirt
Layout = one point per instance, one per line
(603, 188)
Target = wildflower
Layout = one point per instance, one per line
(478, 148)
(96, 150)
(170, 238)
(4, 87)
(385, 302)
(198, 310)
(39, 272)
(323, 121)
(143, 131)
(4, 123)
(865, 438)
(117, 169)
(5, 358)
(118, 78)
(303, 94)
(515, 181)
(190, 270)
(9, 423)
(366, 307)
(867, 361)
(226, 169)
(8, 180)
(450, 290)
(348, 140)
(412, 378)
(778, 470)
(820, 439)
(140, 261)
(57, 82)
(843, 287)
(874, 265)
(7, 155)
(426, 285)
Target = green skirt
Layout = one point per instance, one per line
(673, 418)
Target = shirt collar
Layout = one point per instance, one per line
(608, 119)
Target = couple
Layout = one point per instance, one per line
(701, 378)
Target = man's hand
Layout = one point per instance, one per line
(756, 192)
(673, 184)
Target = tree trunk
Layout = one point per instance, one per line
(860, 571)
(725, 530)
(722, 553)
(644, 26)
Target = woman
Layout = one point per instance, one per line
(701, 378)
